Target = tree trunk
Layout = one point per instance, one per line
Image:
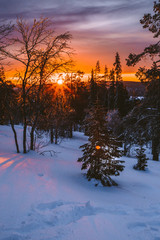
(15, 137)
(155, 149)
(56, 135)
(70, 131)
(24, 137)
(51, 135)
(125, 149)
(32, 139)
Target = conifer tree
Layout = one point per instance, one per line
(151, 77)
(142, 159)
(105, 73)
(93, 89)
(118, 67)
(97, 69)
(111, 90)
(101, 150)
(121, 94)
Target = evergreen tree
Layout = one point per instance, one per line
(151, 77)
(101, 150)
(93, 89)
(118, 67)
(105, 73)
(121, 98)
(97, 69)
(111, 90)
(121, 94)
(142, 160)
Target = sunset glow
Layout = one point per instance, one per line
(99, 28)
(60, 81)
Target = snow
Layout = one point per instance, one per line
(49, 198)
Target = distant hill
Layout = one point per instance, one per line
(135, 88)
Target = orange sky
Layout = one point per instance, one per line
(100, 28)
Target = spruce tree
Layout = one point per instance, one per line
(106, 73)
(97, 69)
(93, 90)
(118, 67)
(101, 150)
(121, 94)
(111, 90)
(142, 159)
(151, 77)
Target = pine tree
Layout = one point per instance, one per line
(106, 73)
(121, 94)
(151, 77)
(142, 160)
(118, 67)
(111, 90)
(93, 89)
(97, 69)
(101, 150)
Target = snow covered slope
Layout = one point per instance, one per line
(48, 198)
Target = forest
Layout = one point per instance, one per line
(46, 96)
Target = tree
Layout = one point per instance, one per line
(121, 94)
(5, 31)
(135, 127)
(151, 77)
(79, 98)
(142, 160)
(9, 104)
(117, 68)
(101, 150)
(97, 69)
(40, 53)
(93, 90)
(105, 73)
(111, 90)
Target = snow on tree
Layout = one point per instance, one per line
(142, 159)
(101, 150)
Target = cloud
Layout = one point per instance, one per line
(98, 26)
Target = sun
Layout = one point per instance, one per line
(60, 81)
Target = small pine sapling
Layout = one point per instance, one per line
(142, 159)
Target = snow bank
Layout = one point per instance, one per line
(48, 198)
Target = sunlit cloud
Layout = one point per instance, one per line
(99, 28)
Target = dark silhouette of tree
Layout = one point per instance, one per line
(93, 90)
(5, 31)
(106, 75)
(152, 21)
(117, 68)
(151, 77)
(111, 90)
(121, 94)
(97, 70)
(40, 53)
(9, 106)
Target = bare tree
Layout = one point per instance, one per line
(39, 52)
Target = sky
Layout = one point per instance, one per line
(99, 28)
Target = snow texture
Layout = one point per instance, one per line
(48, 198)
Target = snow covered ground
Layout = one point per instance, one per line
(48, 198)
